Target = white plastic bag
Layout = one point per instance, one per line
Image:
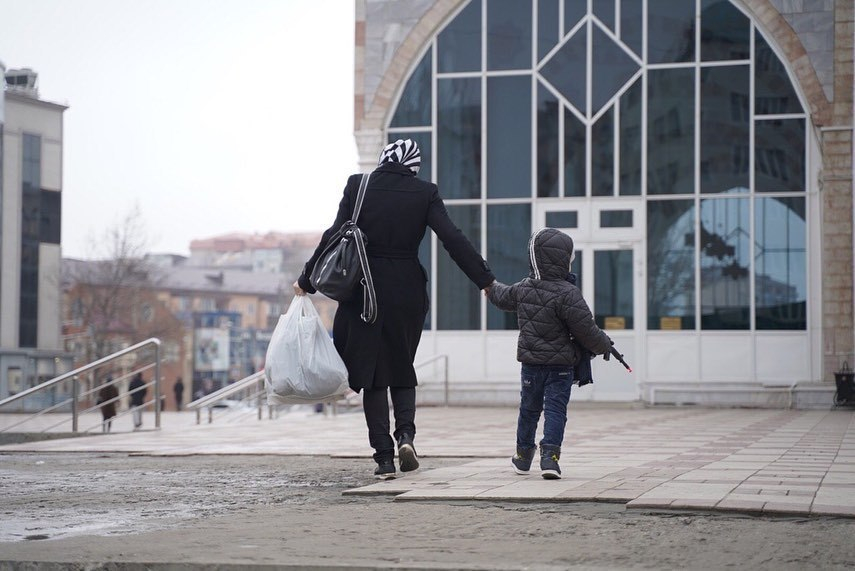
(302, 365)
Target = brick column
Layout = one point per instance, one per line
(837, 207)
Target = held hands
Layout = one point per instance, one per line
(298, 290)
(486, 290)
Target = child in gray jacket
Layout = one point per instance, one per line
(557, 330)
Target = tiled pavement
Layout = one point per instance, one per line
(748, 460)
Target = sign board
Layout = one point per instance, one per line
(615, 322)
(211, 349)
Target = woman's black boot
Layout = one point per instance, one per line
(407, 456)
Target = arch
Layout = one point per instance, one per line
(762, 12)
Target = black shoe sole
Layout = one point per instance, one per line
(389, 476)
(408, 459)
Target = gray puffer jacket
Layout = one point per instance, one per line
(554, 319)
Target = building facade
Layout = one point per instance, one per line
(31, 150)
(698, 152)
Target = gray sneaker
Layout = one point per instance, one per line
(549, 468)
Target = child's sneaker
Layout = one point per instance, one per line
(549, 455)
(522, 460)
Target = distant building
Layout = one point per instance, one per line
(31, 155)
(227, 298)
(102, 315)
(273, 252)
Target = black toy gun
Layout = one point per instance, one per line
(618, 356)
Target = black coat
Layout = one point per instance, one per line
(397, 209)
(556, 325)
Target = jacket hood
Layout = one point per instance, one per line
(549, 254)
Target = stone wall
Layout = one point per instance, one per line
(813, 22)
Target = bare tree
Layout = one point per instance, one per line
(111, 294)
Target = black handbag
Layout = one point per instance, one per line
(343, 264)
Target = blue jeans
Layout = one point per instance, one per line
(544, 388)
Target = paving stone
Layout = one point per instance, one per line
(830, 509)
(740, 506)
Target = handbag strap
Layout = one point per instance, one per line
(360, 196)
(369, 297)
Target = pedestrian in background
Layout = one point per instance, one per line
(178, 388)
(107, 398)
(138, 390)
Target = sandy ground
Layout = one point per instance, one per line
(228, 511)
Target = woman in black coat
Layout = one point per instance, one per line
(397, 209)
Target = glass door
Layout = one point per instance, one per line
(608, 265)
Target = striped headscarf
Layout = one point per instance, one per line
(402, 151)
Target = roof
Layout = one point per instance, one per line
(189, 279)
(237, 242)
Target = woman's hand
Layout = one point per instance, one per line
(298, 290)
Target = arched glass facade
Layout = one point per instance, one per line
(669, 124)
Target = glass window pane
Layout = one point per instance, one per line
(28, 309)
(509, 34)
(459, 142)
(573, 12)
(548, 24)
(458, 302)
(616, 219)
(630, 141)
(611, 68)
(459, 44)
(670, 131)
(50, 217)
(613, 287)
(509, 136)
(725, 128)
(670, 31)
(576, 268)
(670, 264)
(779, 155)
(415, 105)
(725, 31)
(630, 24)
(603, 155)
(548, 114)
(780, 263)
(562, 219)
(423, 140)
(773, 90)
(725, 254)
(574, 155)
(424, 259)
(566, 70)
(508, 232)
(605, 11)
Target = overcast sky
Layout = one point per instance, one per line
(211, 116)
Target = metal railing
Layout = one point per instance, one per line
(433, 359)
(246, 384)
(76, 394)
